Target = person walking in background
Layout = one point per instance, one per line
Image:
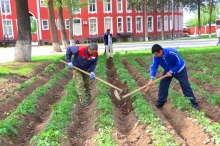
(108, 44)
(218, 34)
(85, 58)
(174, 66)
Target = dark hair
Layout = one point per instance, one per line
(156, 48)
(108, 29)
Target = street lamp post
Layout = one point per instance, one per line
(172, 19)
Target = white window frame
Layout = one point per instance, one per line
(171, 23)
(41, 3)
(9, 5)
(108, 3)
(122, 29)
(139, 31)
(130, 10)
(12, 35)
(176, 22)
(43, 24)
(67, 23)
(166, 25)
(152, 25)
(159, 16)
(94, 33)
(119, 11)
(180, 22)
(77, 34)
(130, 23)
(111, 29)
(92, 12)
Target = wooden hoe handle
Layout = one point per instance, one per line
(143, 87)
(95, 77)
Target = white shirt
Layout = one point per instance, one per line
(109, 40)
(218, 32)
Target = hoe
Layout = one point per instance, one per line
(115, 91)
(145, 86)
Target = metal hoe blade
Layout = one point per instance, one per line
(117, 95)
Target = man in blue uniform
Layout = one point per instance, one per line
(174, 66)
(85, 58)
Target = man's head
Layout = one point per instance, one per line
(108, 31)
(157, 50)
(92, 48)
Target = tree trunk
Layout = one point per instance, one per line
(210, 18)
(23, 44)
(53, 30)
(62, 27)
(199, 24)
(145, 22)
(72, 42)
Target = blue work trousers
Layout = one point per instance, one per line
(182, 77)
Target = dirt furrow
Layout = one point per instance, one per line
(34, 123)
(80, 132)
(11, 104)
(186, 128)
(124, 117)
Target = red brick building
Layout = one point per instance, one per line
(125, 22)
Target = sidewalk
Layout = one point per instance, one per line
(7, 54)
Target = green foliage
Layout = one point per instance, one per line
(27, 106)
(59, 119)
(33, 25)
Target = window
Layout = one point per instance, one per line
(176, 22)
(180, 23)
(5, 7)
(150, 23)
(171, 23)
(45, 25)
(92, 6)
(76, 10)
(119, 6)
(67, 23)
(43, 3)
(93, 28)
(128, 7)
(7, 28)
(77, 26)
(129, 24)
(107, 6)
(139, 24)
(120, 24)
(159, 23)
(166, 7)
(108, 24)
(166, 23)
(139, 7)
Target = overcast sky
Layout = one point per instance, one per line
(187, 16)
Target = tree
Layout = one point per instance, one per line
(53, 30)
(193, 5)
(33, 25)
(64, 38)
(73, 5)
(23, 43)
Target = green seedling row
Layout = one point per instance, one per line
(182, 103)
(104, 121)
(52, 134)
(27, 106)
(144, 111)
